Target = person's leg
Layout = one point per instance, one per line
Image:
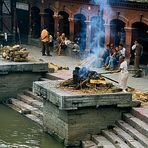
(43, 48)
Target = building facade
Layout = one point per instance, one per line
(123, 21)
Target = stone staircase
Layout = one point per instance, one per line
(28, 104)
(130, 132)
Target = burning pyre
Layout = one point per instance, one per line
(84, 79)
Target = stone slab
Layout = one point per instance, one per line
(8, 67)
(127, 138)
(67, 99)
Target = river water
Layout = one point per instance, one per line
(17, 131)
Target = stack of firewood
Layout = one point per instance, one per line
(15, 53)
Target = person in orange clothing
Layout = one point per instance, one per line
(45, 42)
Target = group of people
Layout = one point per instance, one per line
(112, 56)
(61, 42)
(58, 41)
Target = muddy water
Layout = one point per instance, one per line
(16, 131)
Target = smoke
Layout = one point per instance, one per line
(97, 37)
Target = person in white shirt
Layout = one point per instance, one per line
(67, 41)
(122, 50)
(123, 77)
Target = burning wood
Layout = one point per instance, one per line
(84, 78)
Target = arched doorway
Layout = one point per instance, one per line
(117, 33)
(80, 30)
(97, 32)
(140, 32)
(64, 23)
(49, 20)
(22, 22)
(35, 22)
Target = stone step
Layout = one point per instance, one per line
(127, 138)
(59, 75)
(21, 111)
(113, 138)
(24, 108)
(38, 113)
(35, 119)
(141, 113)
(141, 126)
(89, 144)
(101, 141)
(32, 95)
(133, 132)
(30, 101)
(44, 79)
(50, 76)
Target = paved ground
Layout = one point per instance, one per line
(140, 84)
(137, 83)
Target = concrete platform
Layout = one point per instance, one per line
(15, 77)
(73, 115)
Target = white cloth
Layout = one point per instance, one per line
(123, 77)
(134, 47)
(50, 38)
(123, 52)
(67, 42)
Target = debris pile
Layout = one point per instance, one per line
(54, 67)
(15, 53)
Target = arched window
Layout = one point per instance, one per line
(35, 22)
(64, 23)
(80, 30)
(117, 33)
(49, 20)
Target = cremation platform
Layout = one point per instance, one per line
(74, 116)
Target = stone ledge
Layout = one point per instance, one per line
(6, 68)
(69, 100)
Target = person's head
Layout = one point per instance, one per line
(117, 48)
(107, 46)
(122, 58)
(137, 42)
(120, 46)
(45, 27)
(63, 34)
(112, 46)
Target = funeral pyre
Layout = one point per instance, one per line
(15, 53)
(87, 81)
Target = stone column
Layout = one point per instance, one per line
(107, 33)
(42, 14)
(71, 27)
(88, 33)
(128, 31)
(56, 22)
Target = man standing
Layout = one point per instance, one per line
(45, 42)
(138, 50)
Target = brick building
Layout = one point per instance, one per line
(121, 20)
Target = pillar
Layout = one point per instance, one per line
(1, 15)
(56, 23)
(107, 33)
(71, 27)
(128, 42)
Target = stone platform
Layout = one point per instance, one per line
(18, 76)
(74, 116)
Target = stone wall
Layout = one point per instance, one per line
(74, 116)
(16, 77)
(13, 83)
(76, 125)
